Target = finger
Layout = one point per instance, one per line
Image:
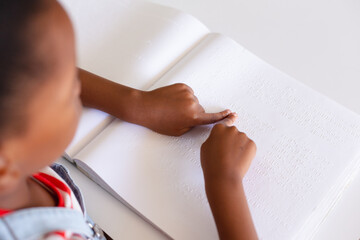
(229, 120)
(208, 118)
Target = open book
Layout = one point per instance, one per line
(308, 145)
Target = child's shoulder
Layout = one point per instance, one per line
(54, 179)
(57, 180)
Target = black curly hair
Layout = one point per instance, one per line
(21, 69)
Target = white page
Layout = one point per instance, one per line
(130, 42)
(304, 140)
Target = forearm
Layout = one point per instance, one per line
(230, 210)
(110, 97)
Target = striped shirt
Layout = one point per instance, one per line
(64, 196)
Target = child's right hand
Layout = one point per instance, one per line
(225, 158)
(227, 153)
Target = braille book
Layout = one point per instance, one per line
(308, 145)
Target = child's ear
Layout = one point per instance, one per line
(9, 175)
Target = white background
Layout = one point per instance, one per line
(315, 41)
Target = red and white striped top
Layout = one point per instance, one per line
(64, 196)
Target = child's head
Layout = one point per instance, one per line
(39, 89)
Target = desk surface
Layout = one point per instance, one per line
(317, 42)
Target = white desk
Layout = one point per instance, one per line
(315, 41)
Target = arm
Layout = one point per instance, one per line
(171, 110)
(110, 97)
(230, 210)
(225, 157)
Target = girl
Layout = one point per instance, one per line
(40, 103)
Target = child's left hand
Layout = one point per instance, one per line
(174, 110)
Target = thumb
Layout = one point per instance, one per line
(208, 118)
(229, 120)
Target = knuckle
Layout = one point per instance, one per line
(192, 104)
(254, 145)
(233, 129)
(187, 88)
(182, 85)
(188, 102)
(189, 95)
(242, 134)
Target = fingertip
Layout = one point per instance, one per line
(227, 111)
(233, 114)
(232, 117)
(229, 120)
